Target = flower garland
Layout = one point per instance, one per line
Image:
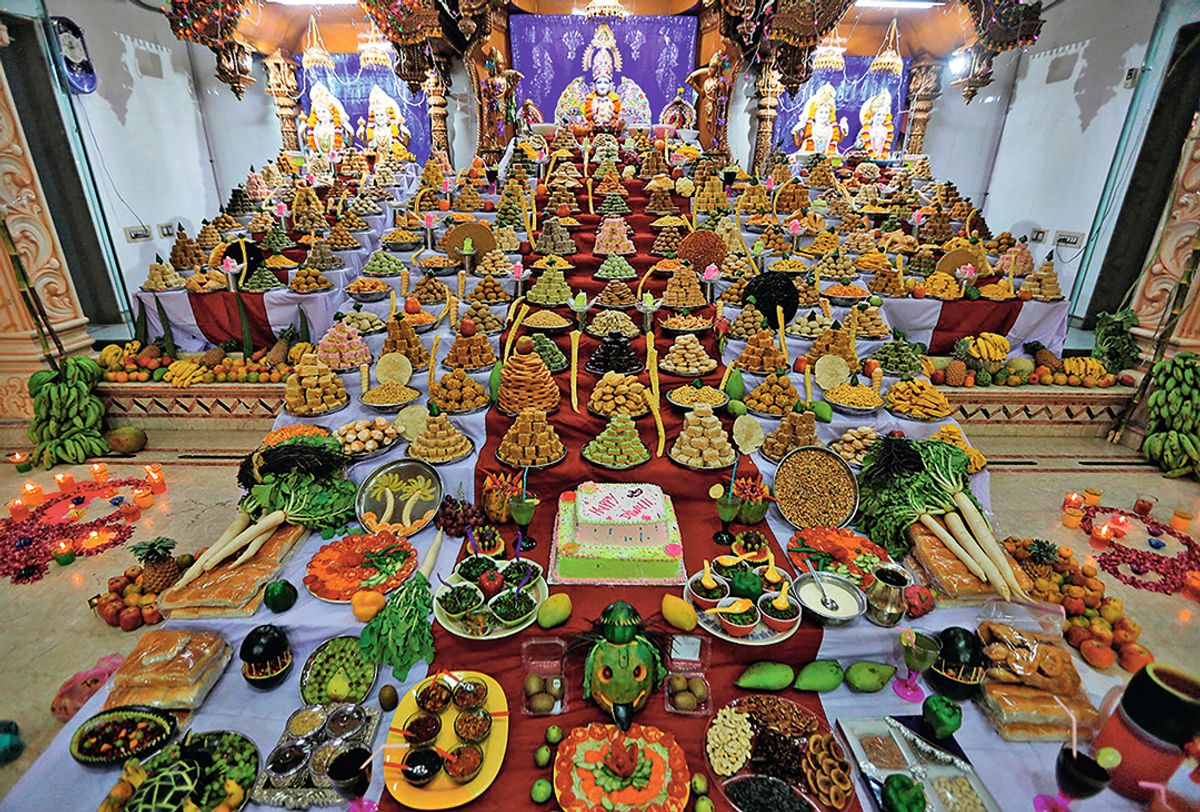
(26, 546)
(1171, 570)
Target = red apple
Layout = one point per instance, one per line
(133, 572)
(131, 618)
(117, 584)
(1134, 656)
(151, 615)
(109, 611)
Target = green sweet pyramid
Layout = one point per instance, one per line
(614, 204)
(275, 241)
(618, 446)
(551, 355)
(615, 266)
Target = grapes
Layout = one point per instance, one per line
(454, 516)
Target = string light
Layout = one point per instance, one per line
(207, 22)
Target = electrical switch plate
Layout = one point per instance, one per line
(1068, 239)
(1131, 78)
(139, 233)
(1037, 235)
(166, 229)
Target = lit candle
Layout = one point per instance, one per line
(1101, 537)
(18, 509)
(22, 461)
(65, 480)
(1072, 500)
(153, 468)
(1181, 520)
(31, 492)
(99, 472)
(143, 497)
(1072, 516)
(1091, 496)
(94, 539)
(130, 511)
(63, 553)
(158, 483)
(1119, 524)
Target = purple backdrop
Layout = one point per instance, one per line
(352, 87)
(854, 86)
(657, 53)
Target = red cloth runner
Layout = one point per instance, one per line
(697, 521)
(217, 317)
(961, 318)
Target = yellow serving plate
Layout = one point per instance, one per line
(441, 792)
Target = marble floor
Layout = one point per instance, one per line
(49, 633)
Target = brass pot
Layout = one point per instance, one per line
(885, 595)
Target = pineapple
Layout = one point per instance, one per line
(1042, 357)
(152, 350)
(278, 353)
(210, 358)
(1041, 558)
(159, 567)
(956, 371)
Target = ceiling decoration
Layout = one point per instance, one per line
(315, 55)
(374, 50)
(213, 24)
(601, 9)
(888, 61)
(1000, 25)
(830, 55)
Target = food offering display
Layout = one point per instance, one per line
(375, 562)
(489, 599)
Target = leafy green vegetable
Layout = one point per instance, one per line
(401, 635)
(1115, 347)
(319, 503)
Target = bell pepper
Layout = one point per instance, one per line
(490, 584)
(902, 794)
(279, 596)
(366, 604)
(944, 716)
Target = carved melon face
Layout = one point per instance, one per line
(620, 678)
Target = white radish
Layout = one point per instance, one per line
(270, 521)
(952, 545)
(960, 532)
(239, 523)
(979, 528)
(253, 547)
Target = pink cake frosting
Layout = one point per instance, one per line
(620, 514)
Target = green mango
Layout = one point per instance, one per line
(494, 381)
(822, 410)
(554, 611)
(766, 676)
(736, 408)
(735, 387)
(869, 677)
(820, 676)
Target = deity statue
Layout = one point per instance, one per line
(384, 129)
(497, 89)
(677, 113)
(877, 131)
(819, 129)
(604, 104)
(528, 115)
(326, 130)
(714, 84)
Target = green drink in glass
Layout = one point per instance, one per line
(522, 506)
(728, 506)
(921, 649)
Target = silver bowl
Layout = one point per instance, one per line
(820, 612)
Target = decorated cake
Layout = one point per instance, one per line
(617, 532)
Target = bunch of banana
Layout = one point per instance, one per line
(67, 417)
(917, 397)
(184, 373)
(1173, 428)
(297, 351)
(1084, 367)
(114, 355)
(989, 348)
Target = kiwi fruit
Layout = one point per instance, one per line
(388, 698)
(541, 703)
(554, 687)
(676, 683)
(699, 689)
(534, 685)
(685, 701)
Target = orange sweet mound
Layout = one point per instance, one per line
(470, 352)
(762, 353)
(403, 339)
(526, 383)
(530, 440)
(702, 248)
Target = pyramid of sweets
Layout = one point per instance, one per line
(855, 224)
(811, 223)
(494, 263)
(554, 239)
(613, 238)
(185, 253)
(1016, 261)
(402, 338)
(342, 347)
(430, 290)
(615, 266)
(823, 243)
(162, 276)
(948, 195)
(563, 139)
(275, 241)
(962, 210)
(610, 185)
(872, 262)
(309, 280)
(468, 198)
(860, 241)
(554, 358)
(820, 176)
(837, 204)
(256, 187)
(702, 443)
(605, 169)
(835, 265)
(321, 257)
(652, 165)
(774, 396)
(431, 175)
(340, 238)
(613, 321)
(506, 239)
(457, 392)
(271, 174)
(613, 204)
(747, 323)
(921, 170)
(810, 325)
(688, 358)
(616, 393)
(616, 294)
(239, 204)
(381, 263)
(484, 319)
(261, 222)
(261, 279)
(733, 294)
(308, 220)
(208, 238)
(867, 195)
(618, 446)
(725, 228)
(865, 320)
(836, 340)
(683, 289)
(530, 441)
(286, 193)
(614, 354)
(808, 291)
(354, 165)
(440, 441)
(796, 430)
(1042, 284)
(313, 388)
(737, 266)
(667, 242)
(307, 199)
(936, 227)
(887, 282)
(1003, 241)
(509, 214)
(561, 196)
(761, 353)
(489, 291)
(207, 280)
(711, 197)
(384, 175)
(364, 206)
(660, 202)
(924, 262)
(550, 289)
(526, 382)
(754, 198)
(775, 240)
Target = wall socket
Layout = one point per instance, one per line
(1068, 239)
(1131, 78)
(1037, 235)
(138, 233)
(166, 229)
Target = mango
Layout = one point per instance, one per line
(820, 676)
(766, 676)
(735, 407)
(126, 440)
(555, 610)
(735, 387)
(822, 411)
(869, 677)
(679, 613)
(494, 382)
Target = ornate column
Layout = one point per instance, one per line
(284, 90)
(37, 244)
(924, 86)
(435, 96)
(768, 89)
(1176, 235)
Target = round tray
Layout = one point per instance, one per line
(469, 452)
(549, 305)
(401, 247)
(762, 635)
(165, 290)
(168, 721)
(320, 650)
(766, 415)
(604, 306)
(464, 412)
(615, 467)
(540, 592)
(690, 308)
(379, 452)
(914, 418)
(334, 410)
(542, 467)
(404, 469)
(550, 331)
(368, 297)
(686, 376)
(842, 462)
(854, 411)
(634, 417)
(695, 468)
(678, 405)
(676, 331)
(845, 301)
(600, 374)
(315, 291)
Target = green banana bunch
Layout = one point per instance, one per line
(1172, 438)
(68, 418)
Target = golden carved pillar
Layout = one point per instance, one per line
(1176, 236)
(284, 91)
(37, 244)
(924, 86)
(768, 88)
(435, 95)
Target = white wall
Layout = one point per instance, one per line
(462, 118)
(1068, 107)
(743, 123)
(142, 128)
